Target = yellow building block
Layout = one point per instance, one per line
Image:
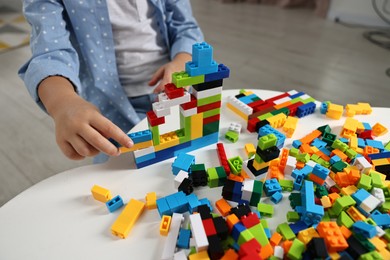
(379, 129)
(125, 221)
(248, 93)
(101, 194)
(349, 190)
(307, 234)
(151, 198)
(349, 128)
(167, 140)
(196, 126)
(353, 142)
(250, 150)
(237, 111)
(202, 255)
(325, 202)
(378, 243)
(355, 214)
(138, 146)
(290, 125)
(335, 111)
(277, 120)
(165, 224)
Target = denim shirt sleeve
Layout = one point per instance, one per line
(183, 29)
(52, 51)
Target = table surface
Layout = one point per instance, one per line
(59, 219)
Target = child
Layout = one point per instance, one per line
(93, 60)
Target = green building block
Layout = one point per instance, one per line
(337, 144)
(209, 100)
(376, 179)
(155, 134)
(344, 219)
(387, 146)
(283, 110)
(365, 242)
(210, 128)
(338, 166)
(295, 200)
(259, 234)
(198, 167)
(182, 79)
(286, 185)
(385, 207)
(293, 152)
(292, 216)
(296, 250)
(265, 116)
(321, 191)
(315, 158)
(332, 213)
(232, 136)
(267, 141)
(329, 138)
(343, 203)
(285, 230)
(374, 255)
(324, 129)
(326, 217)
(212, 112)
(365, 182)
(264, 222)
(244, 236)
(324, 163)
(351, 153)
(265, 209)
(221, 175)
(387, 234)
(235, 164)
(258, 158)
(212, 178)
(303, 157)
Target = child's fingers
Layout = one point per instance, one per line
(69, 151)
(82, 147)
(110, 130)
(99, 142)
(156, 76)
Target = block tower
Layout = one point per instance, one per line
(199, 110)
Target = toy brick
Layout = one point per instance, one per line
(333, 237)
(202, 60)
(101, 194)
(210, 119)
(153, 120)
(183, 79)
(170, 242)
(306, 109)
(198, 232)
(165, 223)
(127, 218)
(172, 91)
(222, 73)
(114, 204)
(208, 107)
(265, 209)
(151, 198)
(214, 86)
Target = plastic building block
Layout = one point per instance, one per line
(184, 238)
(183, 162)
(114, 204)
(101, 194)
(285, 230)
(151, 198)
(202, 61)
(125, 221)
(232, 136)
(265, 209)
(198, 232)
(334, 239)
(165, 223)
(235, 164)
(170, 242)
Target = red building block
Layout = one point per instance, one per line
(172, 91)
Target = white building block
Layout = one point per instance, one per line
(370, 203)
(170, 242)
(180, 255)
(379, 194)
(145, 151)
(290, 165)
(282, 100)
(160, 110)
(198, 233)
(206, 93)
(244, 108)
(189, 112)
(279, 252)
(329, 182)
(167, 102)
(235, 127)
(362, 164)
(179, 178)
(247, 189)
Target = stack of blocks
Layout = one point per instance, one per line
(199, 110)
(274, 111)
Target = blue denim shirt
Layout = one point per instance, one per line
(74, 39)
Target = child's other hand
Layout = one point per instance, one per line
(81, 130)
(164, 73)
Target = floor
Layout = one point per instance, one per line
(264, 46)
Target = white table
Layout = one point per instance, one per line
(58, 218)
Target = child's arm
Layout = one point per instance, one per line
(80, 128)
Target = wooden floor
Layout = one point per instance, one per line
(264, 46)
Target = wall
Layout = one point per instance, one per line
(14, 4)
(357, 11)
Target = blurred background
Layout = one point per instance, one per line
(332, 50)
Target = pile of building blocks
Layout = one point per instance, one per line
(275, 111)
(199, 111)
(337, 184)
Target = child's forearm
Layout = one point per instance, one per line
(55, 90)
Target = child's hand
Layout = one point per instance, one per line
(164, 73)
(81, 130)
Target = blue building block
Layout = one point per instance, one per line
(325, 151)
(277, 197)
(267, 232)
(344, 140)
(183, 240)
(205, 201)
(297, 95)
(311, 213)
(306, 109)
(318, 143)
(193, 202)
(382, 155)
(324, 107)
(365, 229)
(247, 99)
(145, 158)
(237, 191)
(141, 136)
(320, 171)
(163, 207)
(183, 162)
(236, 230)
(298, 181)
(271, 186)
(202, 60)
(296, 144)
(360, 195)
(298, 226)
(114, 203)
(375, 143)
(334, 159)
(367, 126)
(361, 143)
(222, 73)
(382, 220)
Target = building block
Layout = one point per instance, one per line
(165, 223)
(125, 221)
(170, 242)
(101, 194)
(114, 204)
(202, 60)
(151, 198)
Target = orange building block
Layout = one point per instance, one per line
(165, 224)
(223, 207)
(230, 254)
(379, 129)
(345, 231)
(275, 239)
(334, 239)
(266, 251)
(310, 137)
